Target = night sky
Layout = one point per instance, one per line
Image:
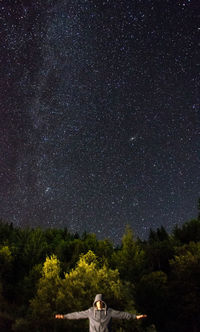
(99, 114)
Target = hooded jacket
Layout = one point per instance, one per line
(100, 320)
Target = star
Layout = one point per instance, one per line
(99, 115)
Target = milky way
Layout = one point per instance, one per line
(99, 105)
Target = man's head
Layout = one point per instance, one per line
(99, 305)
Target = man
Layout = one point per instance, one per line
(99, 315)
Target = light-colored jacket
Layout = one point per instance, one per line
(100, 320)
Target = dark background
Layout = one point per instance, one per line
(99, 114)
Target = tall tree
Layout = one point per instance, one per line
(185, 288)
(130, 259)
(152, 297)
(43, 305)
(190, 231)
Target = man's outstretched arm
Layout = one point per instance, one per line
(125, 315)
(73, 315)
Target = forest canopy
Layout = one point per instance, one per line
(43, 272)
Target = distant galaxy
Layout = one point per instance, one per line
(99, 106)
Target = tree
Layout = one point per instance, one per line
(80, 285)
(35, 247)
(152, 297)
(43, 305)
(6, 266)
(130, 259)
(159, 235)
(75, 291)
(88, 278)
(5, 260)
(185, 287)
(159, 249)
(190, 231)
(6, 232)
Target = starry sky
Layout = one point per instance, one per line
(99, 114)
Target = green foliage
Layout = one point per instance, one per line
(76, 290)
(29, 284)
(6, 266)
(43, 272)
(47, 288)
(6, 321)
(159, 235)
(130, 259)
(158, 251)
(190, 231)
(6, 232)
(5, 258)
(185, 286)
(152, 296)
(31, 247)
(88, 278)
(42, 305)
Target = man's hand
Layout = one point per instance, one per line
(58, 316)
(141, 316)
